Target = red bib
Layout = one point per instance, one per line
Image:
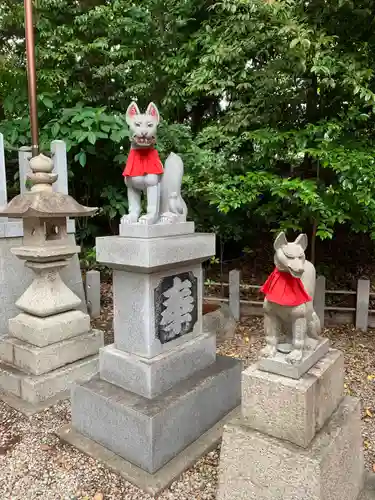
(284, 289)
(143, 161)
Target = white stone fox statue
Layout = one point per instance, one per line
(288, 305)
(144, 172)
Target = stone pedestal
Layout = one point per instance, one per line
(15, 277)
(295, 439)
(50, 344)
(161, 386)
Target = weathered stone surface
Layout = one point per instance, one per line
(44, 331)
(149, 433)
(10, 380)
(255, 466)
(155, 230)
(92, 286)
(136, 319)
(153, 484)
(220, 322)
(6, 350)
(151, 254)
(293, 409)
(47, 294)
(369, 491)
(29, 409)
(15, 278)
(39, 360)
(150, 377)
(37, 388)
(11, 228)
(280, 366)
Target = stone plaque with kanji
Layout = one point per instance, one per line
(176, 306)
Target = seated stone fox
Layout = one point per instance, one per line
(288, 305)
(144, 172)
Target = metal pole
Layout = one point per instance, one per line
(31, 75)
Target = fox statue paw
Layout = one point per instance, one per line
(129, 219)
(294, 357)
(269, 351)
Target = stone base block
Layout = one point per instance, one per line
(149, 433)
(159, 230)
(153, 484)
(280, 366)
(37, 388)
(30, 409)
(44, 331)
(40, 360)
(369, 491)
(150, 377)
(254, 466)
(293, 409)
(152, 254)
(15, 277)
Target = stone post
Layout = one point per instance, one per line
(3, 179)
(50, 343)
(60, 167)
(3, 186)
(161, 385)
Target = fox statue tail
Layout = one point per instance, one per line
(314, 326)
(171, 201)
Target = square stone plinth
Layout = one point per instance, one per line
(149, 433)
(152, 254)
(35, 389)
(279, 365)
(293, 409)
(254, 466)
(143, 302)
(44, 331)
(150, 377)
(159, 230)
(153, 484)
(39, 360)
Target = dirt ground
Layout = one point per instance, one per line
(35, 464)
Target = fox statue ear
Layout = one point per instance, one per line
(131, 112)
(302, 241)
(280, 241)
(153, 111)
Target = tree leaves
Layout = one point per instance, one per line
(270, 104)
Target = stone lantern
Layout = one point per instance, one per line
(50, 343)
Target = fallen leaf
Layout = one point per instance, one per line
(369, 413)
(45, 447)
(366, 445)
(63, 462)
(246, 340)
(370, 377)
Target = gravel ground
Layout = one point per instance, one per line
(34, 463)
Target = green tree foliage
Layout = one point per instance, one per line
(269, 102)
(297, 132)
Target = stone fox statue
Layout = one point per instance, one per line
(288, 305)
(144, 172)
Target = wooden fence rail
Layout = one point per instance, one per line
(361, 315)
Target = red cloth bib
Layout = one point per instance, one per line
(284, 289)
(143, 161)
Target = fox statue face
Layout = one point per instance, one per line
(290, 257)
(142, 126)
